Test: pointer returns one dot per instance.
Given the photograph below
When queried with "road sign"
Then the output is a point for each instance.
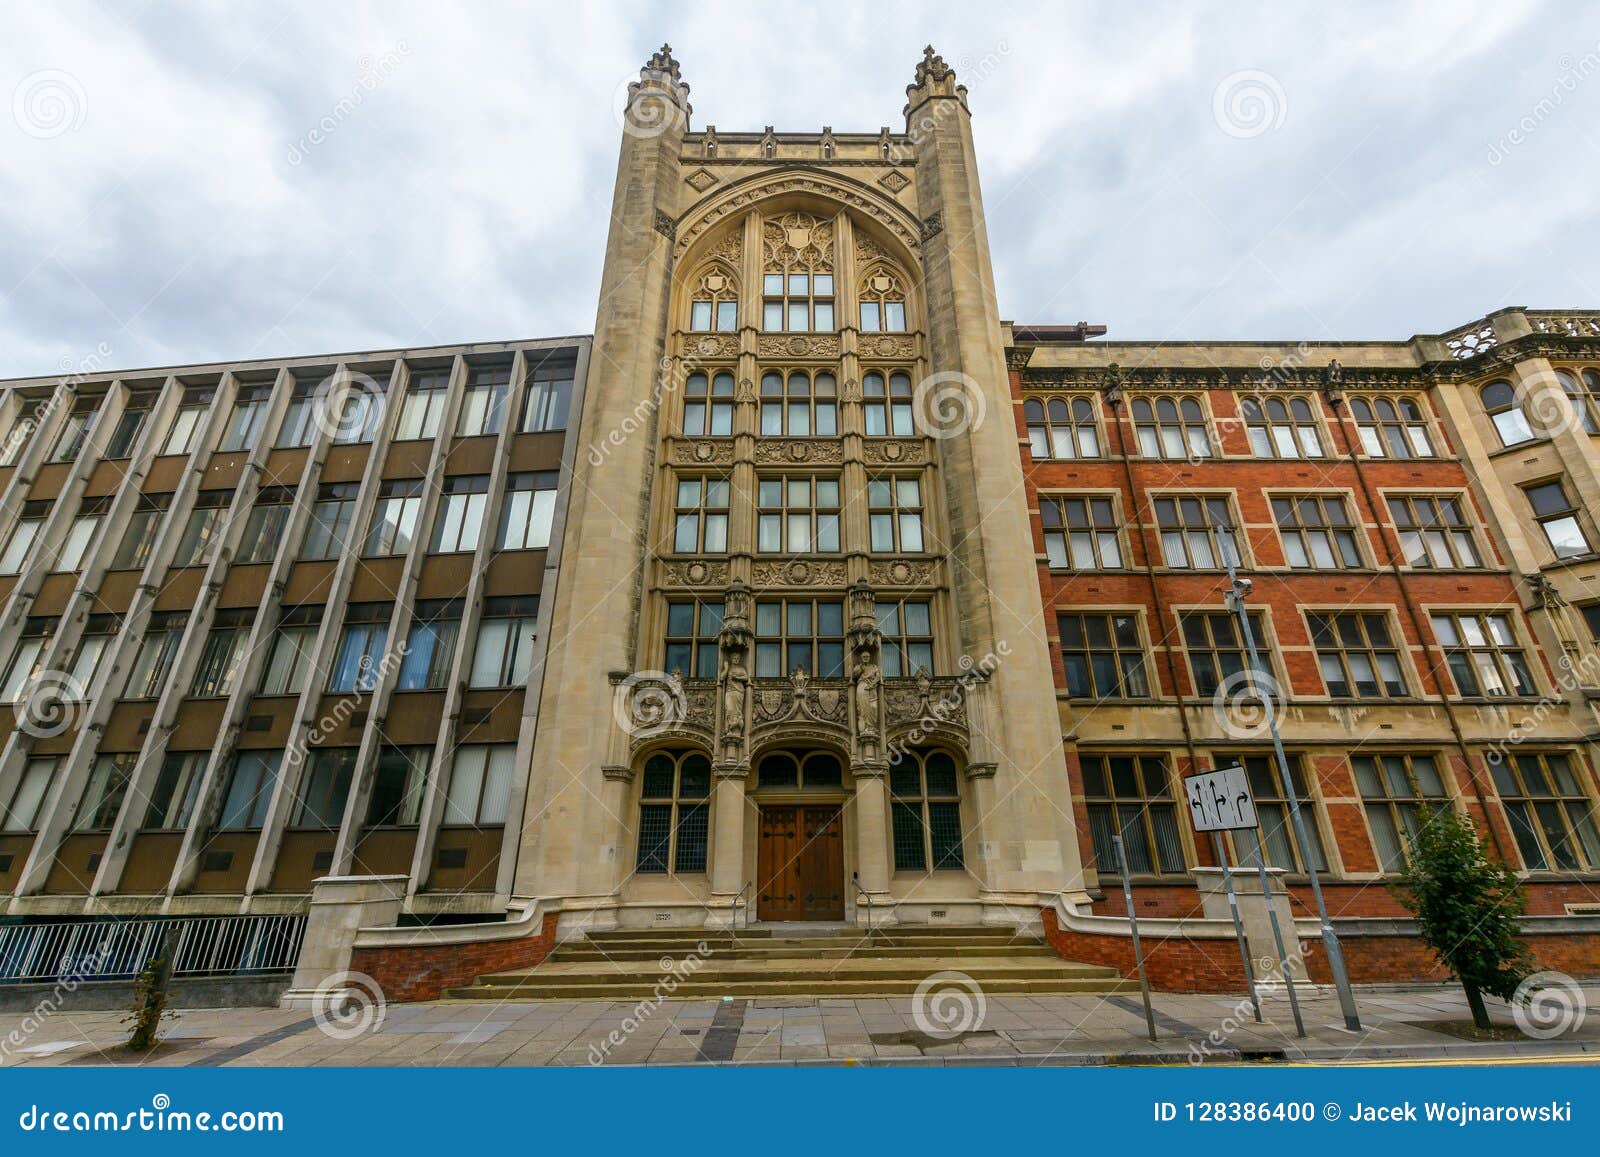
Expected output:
(1220, 800)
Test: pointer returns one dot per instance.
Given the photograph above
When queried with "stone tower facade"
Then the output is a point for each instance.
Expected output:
(786, 569)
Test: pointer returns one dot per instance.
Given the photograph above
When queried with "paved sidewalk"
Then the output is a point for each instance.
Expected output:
(1016, 1030)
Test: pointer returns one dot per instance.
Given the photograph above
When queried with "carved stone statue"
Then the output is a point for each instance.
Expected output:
(800, 677)
(868, 679)
(735, 682)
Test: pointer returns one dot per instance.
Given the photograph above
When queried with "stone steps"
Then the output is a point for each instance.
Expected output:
(627, 964)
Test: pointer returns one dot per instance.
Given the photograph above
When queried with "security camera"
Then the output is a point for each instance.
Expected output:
(1244, 586)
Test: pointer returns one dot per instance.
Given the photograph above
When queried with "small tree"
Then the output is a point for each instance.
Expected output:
(1467, 907)
(150, 992)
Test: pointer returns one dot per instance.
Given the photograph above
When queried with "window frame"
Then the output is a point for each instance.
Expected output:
(917, 807)
(685, 811)
(1339, 650)
(1109, 804)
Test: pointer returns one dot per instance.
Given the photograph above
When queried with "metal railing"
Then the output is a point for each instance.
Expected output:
(738, 902)
(863, 894)
(114, 949)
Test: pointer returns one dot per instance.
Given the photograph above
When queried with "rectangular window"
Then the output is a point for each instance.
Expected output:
(691, 642)
(1195, 533)
(1080, 533)
(394, 518)
(1280, 428)
(224, 652)
(1558, 518)
(797, 515)
(1102, 657)
(17, 440)
(21, 812)
(894, 515)
(527, 511)
(147, 678)
(1131, 796)
(360, 412)
(458, 523)
(75, 431)
(431, 646)
(887, 407)
(299, 427)
(267, 525)
(19, 544)
(102, 795)
(708, 405)
(1217, 654)
(800, 407)
(361, 650)
(203, 533)
(700, 516)
(80, 536)
(1434, 533)
(98, 635)
(248, 418)
(1357, 656)
(1400, 793)
(1316, 532)
(328, 532)
(135, 412)
(548, 394)
(25, 657)
(1061, 428)
(483, 405)
(480, 785)
(1551, 815)
(800, 633)
(423, 407)
(503, 656)
(1277, 832)
(188, 421)
(176, 788)
(133, 552)
(255, 776)
(1485, 659)
(397, 786)
(290, 653)
(324, 790)
(907, 629)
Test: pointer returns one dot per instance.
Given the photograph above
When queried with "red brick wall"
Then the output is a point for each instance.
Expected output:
(424, 971)
(1178, 965)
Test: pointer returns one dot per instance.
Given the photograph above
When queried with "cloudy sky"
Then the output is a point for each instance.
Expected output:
(1304, 172)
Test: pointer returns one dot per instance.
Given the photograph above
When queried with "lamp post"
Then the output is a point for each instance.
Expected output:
(1238, 590)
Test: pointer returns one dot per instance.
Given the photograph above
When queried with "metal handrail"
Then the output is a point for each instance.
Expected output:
(862, 893)
(738, 902)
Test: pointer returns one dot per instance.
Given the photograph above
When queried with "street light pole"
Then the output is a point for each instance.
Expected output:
(1238, 590)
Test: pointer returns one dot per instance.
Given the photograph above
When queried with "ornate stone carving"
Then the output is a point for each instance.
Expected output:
(800, 699)
(894, 180)
(800, 572)
(666, 225)
(903, 572)
(695, 572)
(710, 346)
(885, 345)
(797, 450)
(735, 696)
(737, 200)
(797, 345)
(932, 225)
(1568, 325)
(1471, 341)
(925, 704)
(893, 451)
(703, 453)
(700, 180)
(869, 680)
(797, 240)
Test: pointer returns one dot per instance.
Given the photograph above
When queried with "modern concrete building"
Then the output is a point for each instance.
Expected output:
(860, 606)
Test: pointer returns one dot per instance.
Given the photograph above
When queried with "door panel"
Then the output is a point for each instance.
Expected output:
(800, 863)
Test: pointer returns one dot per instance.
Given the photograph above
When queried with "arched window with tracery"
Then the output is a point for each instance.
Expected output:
(714, 308)
(797, 277)
(881, 301)
(674, 803)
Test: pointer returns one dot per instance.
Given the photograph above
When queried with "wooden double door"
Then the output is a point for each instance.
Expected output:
(800, 863)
